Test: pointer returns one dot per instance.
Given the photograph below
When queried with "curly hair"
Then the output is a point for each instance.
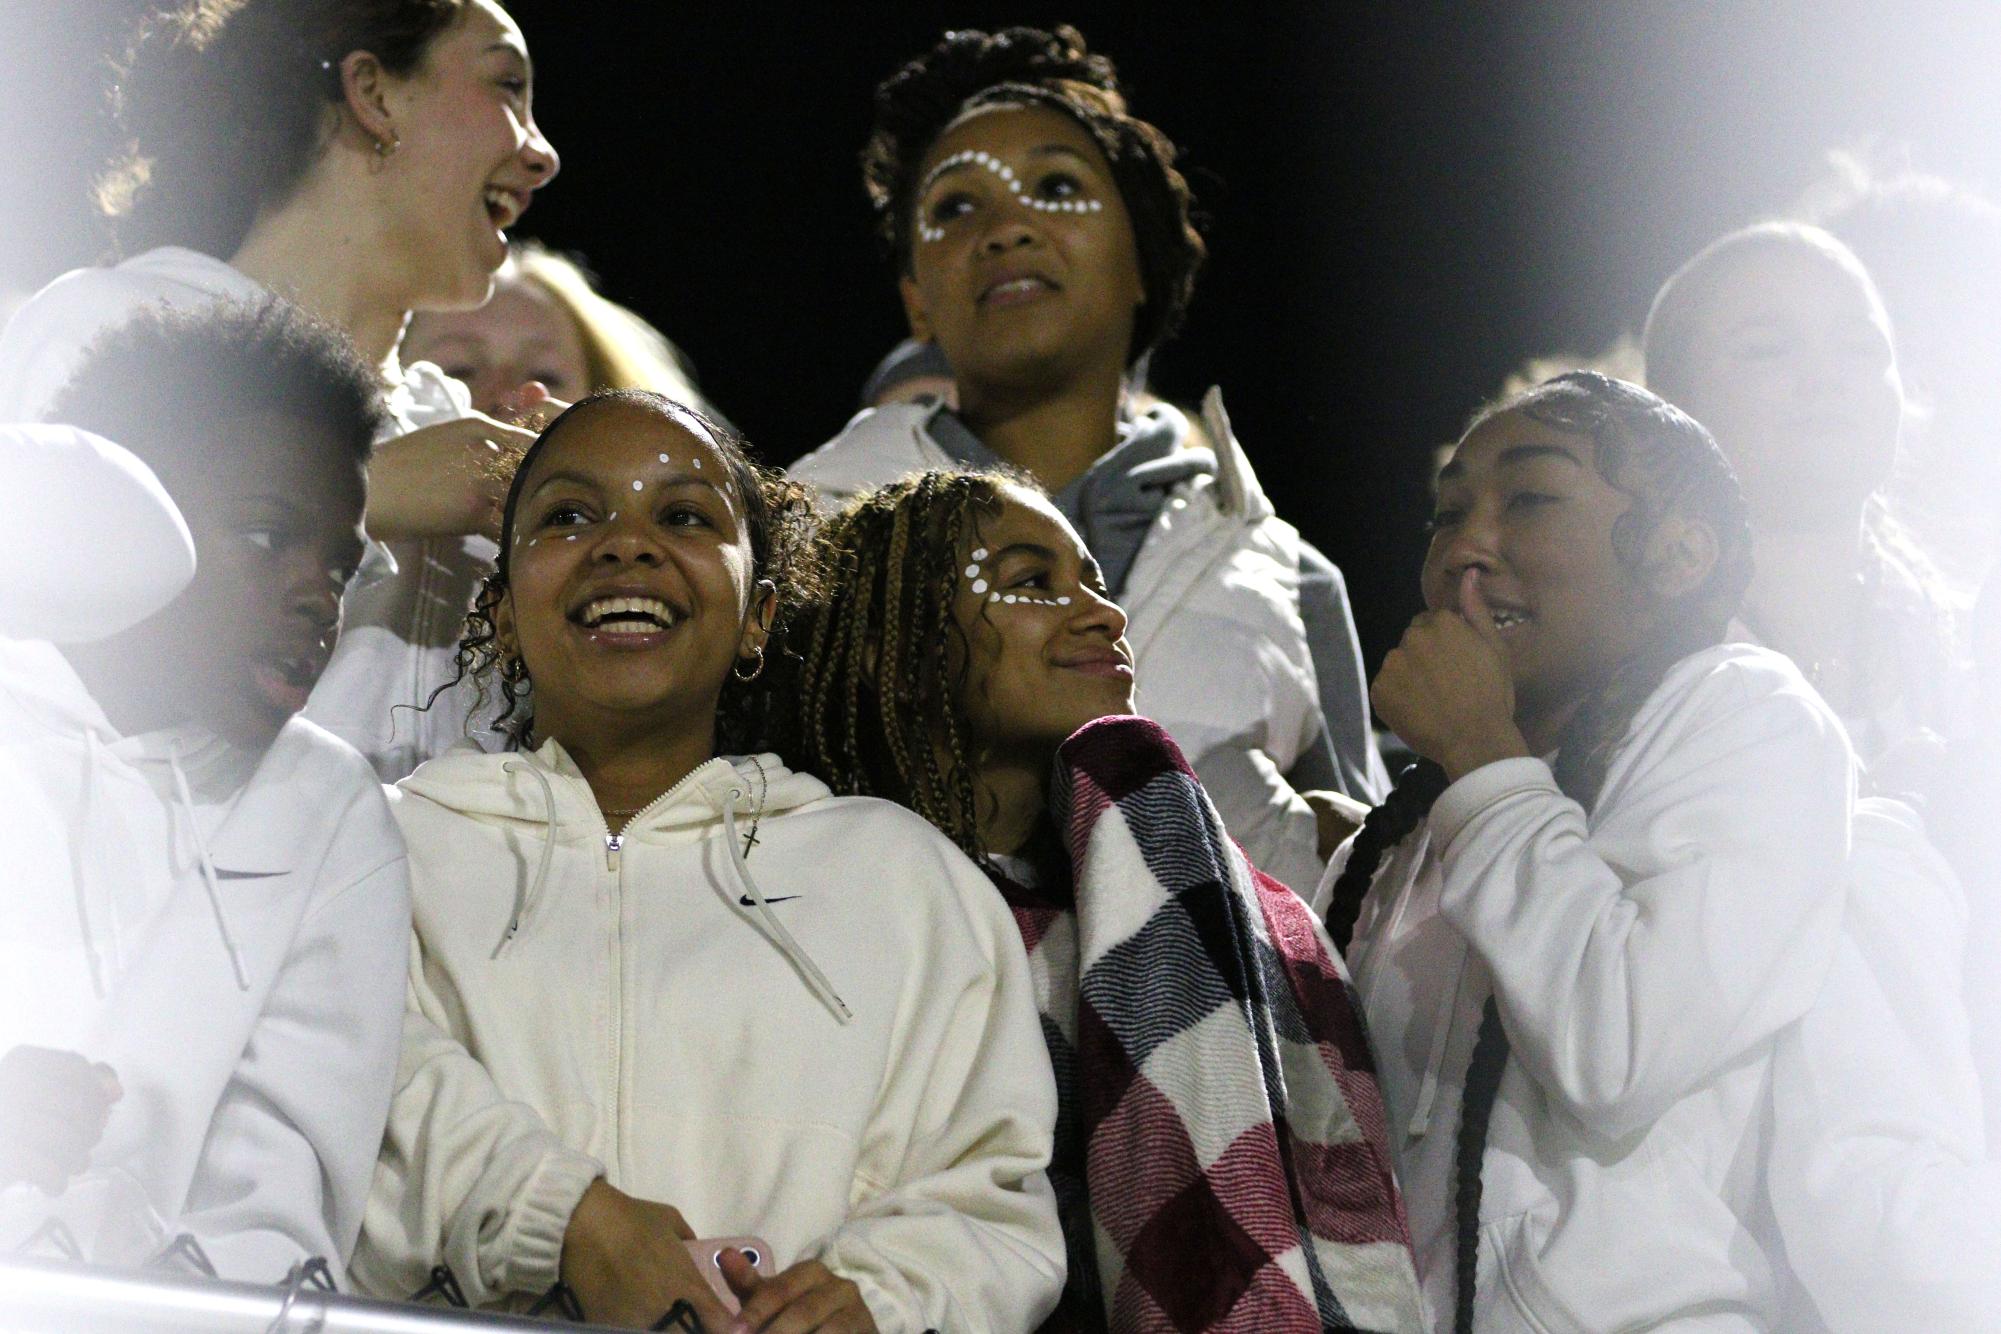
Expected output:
(968, 69)
(780, 521)
(877, 705)
(175, 387)
(1669, 465)
(224, 105)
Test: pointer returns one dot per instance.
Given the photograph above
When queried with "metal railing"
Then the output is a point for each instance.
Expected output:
(61, 1297)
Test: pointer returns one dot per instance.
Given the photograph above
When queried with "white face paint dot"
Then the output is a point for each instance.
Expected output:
(981, 554)
(665, 459)
(1008, 598)
(979, 585)
(698, 465)
(638, 485)
(972, 571)
(1063, 602)
(571, 538)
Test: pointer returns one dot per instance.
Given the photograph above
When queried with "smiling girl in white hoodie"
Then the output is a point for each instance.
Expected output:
(657, 993)
(1582, 924)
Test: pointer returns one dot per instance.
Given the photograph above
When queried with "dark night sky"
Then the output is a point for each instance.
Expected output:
(1405, 200)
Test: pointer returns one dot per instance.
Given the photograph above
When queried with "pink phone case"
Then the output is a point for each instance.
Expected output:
(707, 1254)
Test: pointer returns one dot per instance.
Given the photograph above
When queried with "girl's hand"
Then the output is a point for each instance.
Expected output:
(447, 480)
(1446, 689)
(806, 1299)
(624, 1260)
(53, 1109)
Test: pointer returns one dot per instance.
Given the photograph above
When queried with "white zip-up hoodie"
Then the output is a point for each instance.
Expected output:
(1884, 1189)
(787, 1014)
(226, 931)
(404, 611)
(1646, 957)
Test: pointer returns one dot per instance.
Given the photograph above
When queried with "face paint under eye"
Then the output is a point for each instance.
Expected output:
(1026, 600)
(982, 158)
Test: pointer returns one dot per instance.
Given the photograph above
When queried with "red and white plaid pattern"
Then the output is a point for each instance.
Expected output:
(1222, 1161)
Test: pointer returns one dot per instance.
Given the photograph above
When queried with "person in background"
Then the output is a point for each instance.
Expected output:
(1581, 926)
(813, 1021)
(965, 661)
(1043, 242)
(547, 323)
(1774, 338)
(363, 158)
(211, 908)
(1932, 246)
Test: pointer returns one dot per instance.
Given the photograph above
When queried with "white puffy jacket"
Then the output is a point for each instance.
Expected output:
(1219, 649)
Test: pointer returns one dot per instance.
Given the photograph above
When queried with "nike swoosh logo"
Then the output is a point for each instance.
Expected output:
(749, 902)
(224, 873)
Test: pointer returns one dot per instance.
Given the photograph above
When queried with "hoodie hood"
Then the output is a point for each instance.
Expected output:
(546, 792)
(499, 789)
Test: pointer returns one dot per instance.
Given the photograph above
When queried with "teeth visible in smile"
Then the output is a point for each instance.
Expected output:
(1504, 619)
(1017, 285)
(500, 203)
(628, 616)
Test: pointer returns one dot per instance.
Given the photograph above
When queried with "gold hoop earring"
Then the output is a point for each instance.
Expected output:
(755, 672)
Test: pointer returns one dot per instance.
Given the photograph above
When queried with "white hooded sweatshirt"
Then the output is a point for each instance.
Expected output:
(226, 931)
(405, 609)
(787, 1014)
(1646, 956)
(1884, 1189)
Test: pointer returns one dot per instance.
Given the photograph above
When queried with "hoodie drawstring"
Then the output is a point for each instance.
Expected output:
(80, 882)
(208, 875)
(791, 948)
(526, 893)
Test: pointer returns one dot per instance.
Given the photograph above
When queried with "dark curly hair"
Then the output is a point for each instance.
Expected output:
(176, 387)
(875, 701)
(224, 105)
(779, 519)
(1034, 67)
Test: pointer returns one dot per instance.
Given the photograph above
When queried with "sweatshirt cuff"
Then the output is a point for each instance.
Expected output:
(1459, 803)
(535, 1250)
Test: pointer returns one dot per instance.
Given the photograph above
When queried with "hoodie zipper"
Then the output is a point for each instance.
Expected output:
(613, 843)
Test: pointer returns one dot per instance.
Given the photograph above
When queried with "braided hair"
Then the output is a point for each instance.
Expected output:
(778, 519)
(883, 660)
(1670, 466)
(969, 69)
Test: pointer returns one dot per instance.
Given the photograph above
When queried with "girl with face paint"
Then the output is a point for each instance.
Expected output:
(1582, 924)
(364, 159)
(1043, 243)
(670, 990)
(968, 662)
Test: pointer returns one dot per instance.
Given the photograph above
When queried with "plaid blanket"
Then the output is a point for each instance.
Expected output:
(1221, 1160)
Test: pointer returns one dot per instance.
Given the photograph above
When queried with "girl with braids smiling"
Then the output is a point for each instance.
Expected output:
(1219, 1158)
(1044, 243)
(662, 992)
(1581, 923)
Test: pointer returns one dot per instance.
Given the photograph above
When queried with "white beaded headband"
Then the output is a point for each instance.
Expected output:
(981, 158)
